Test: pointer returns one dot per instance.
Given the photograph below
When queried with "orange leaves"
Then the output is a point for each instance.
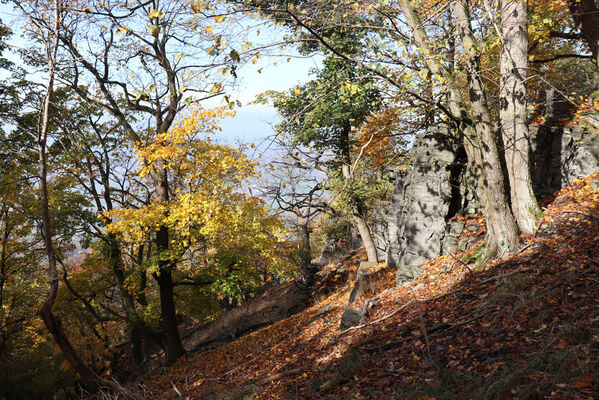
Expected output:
(377, 136)
(510, 327)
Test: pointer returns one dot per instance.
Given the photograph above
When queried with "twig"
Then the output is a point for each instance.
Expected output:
(493, 278)
(461, 262)
(422, 326)
(176, 390)
(389, 345)
(538, 228)
(278, 376)
(353, 328)
(524, 248)
(440, 327)
(582, 213)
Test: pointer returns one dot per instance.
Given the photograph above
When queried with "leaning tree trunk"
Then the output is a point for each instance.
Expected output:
(360, 222)
(501, 230)
(513, 113)
(478, 137)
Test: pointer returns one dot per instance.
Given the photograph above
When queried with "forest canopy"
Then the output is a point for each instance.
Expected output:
(126, 217)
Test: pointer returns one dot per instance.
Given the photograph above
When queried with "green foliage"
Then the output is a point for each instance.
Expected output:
(321, 113)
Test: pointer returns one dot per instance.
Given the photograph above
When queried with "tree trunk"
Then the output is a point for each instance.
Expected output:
(586, 17)
(135, 338)
(305, 250)
(170, 331)
(501, 230)
(478, 137)
(170, 327)
(91, 380)
(513, 113)
(360, 222)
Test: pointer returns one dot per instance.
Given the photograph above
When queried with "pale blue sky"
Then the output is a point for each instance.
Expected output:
(252, 123)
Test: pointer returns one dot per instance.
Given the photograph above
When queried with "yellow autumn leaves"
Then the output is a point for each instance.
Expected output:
(208, 203)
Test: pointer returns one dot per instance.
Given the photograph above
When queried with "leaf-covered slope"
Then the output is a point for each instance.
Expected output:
(526, 327)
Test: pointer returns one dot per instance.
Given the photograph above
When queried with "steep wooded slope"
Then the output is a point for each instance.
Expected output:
(526, 326)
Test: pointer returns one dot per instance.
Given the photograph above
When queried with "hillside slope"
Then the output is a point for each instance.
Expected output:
(526, 327)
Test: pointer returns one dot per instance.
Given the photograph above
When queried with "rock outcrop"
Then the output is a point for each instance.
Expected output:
(425, 197)
(437, 186)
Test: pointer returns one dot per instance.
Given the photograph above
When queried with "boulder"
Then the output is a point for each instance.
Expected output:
(351, 317)
(438, 185)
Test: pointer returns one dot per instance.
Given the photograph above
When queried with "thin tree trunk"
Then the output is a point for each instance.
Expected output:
(513, 113)
(304, 248)
(52, 323)
(360, 222)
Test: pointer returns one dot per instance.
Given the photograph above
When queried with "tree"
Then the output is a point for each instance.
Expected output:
(297, 190)
(94, 153)
(513, 113)
(50, 43)
(322, 115)
(219, 236)
(475, 125)
(139, 57)
(586, 16)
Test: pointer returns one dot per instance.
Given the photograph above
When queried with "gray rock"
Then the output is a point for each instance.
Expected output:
(414, 225)
(351, 317)
(422, 203)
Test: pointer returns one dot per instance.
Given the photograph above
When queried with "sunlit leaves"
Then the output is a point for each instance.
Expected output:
(208, 206)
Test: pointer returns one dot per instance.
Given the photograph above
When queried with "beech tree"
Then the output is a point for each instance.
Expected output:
(513, 113)
(148, 62)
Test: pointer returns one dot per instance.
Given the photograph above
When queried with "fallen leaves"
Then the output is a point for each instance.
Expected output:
(526, 326)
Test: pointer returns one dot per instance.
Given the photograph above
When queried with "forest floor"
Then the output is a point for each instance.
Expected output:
(525, 326)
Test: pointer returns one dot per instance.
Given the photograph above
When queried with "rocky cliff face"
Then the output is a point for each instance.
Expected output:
(561, 154)
(426, 196)
(437, 186)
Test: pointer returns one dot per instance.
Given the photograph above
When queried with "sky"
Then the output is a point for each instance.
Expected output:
(252, 123)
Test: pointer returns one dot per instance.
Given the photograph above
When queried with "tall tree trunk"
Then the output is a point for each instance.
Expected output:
(478, 137)
(503, 235)
(513, 112)
(52, 323)
(168, 313)
(586, 16)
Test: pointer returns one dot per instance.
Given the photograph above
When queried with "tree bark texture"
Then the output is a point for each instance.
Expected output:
(475, 126)
(502, 232)
(513, 112)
